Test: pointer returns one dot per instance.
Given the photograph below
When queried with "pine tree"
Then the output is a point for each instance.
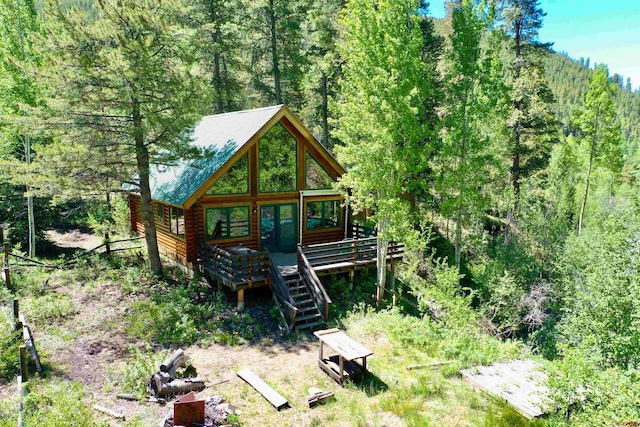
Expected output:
(129, 81)
(320, 50)
(276, 64)
(596, 119)
(531, 122)
(218, 24)
(380, 112)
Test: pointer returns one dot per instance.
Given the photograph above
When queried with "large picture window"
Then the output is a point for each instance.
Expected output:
(325, 214)
(316, 178)
(176, 221)
(277, 154)
(225, 223)
(234, 181)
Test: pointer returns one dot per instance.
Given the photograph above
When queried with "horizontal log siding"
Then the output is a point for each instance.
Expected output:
(169, 245)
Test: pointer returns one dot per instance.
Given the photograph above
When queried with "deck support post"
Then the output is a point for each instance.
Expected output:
(352, 275)
(240, 299)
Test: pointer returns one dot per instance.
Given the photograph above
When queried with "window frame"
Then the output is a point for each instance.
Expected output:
(306, 171)
(160, 211)
(259, 169)
(323, 210)
(248, 191)
(228, 222)
(175, 233)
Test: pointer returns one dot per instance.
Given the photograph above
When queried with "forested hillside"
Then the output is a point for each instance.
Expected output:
(508, 171)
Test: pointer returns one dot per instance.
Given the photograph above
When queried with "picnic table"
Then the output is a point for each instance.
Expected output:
(343, 365)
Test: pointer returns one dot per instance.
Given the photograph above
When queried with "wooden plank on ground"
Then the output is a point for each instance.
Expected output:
(519, 382)
(263, 388)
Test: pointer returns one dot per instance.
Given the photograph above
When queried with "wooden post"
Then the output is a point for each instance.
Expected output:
(24, 369)
(16, 314)
(5, 268)
(352, 275)
(106, 245)
(240, 299)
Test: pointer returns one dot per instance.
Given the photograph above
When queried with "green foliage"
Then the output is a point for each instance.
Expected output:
(598, 286)
(134, 376)
(9, 359)
(58, 403)
(48, 308)
(184, 312)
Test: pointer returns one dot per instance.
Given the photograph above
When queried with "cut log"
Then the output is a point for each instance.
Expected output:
(171, 360)
(114, 414)
(182, 385)
(180, 362)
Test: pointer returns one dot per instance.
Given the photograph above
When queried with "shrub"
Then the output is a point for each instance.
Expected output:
(9, 359)
(134, 376)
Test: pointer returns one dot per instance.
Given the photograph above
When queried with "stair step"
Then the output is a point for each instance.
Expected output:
(307, 317)
(309, 325)
(306, 301)
(297, 287)
(292, 281)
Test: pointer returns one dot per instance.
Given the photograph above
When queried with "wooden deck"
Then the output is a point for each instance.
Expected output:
(519, 382)
(348, 255)
(294, 278)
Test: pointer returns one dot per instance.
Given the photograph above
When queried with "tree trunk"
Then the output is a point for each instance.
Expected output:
(217, 75)
(586, 187)
(30, 214)
(381, 259)
(274, 52)
(142, 162)
(325, 112)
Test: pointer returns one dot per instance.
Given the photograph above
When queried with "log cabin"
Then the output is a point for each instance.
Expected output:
(265, 190)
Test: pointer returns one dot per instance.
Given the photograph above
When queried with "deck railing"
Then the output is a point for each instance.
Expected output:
(310, 278)
(347, 251)
(282, 292)
(234, 269)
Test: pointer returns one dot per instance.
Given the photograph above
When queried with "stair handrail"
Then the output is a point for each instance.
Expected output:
(317, 290)
(282, 292)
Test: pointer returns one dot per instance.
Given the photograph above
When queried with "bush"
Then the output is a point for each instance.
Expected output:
(9, 358)
(134, 376)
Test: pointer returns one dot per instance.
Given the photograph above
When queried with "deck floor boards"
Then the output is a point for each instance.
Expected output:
(519, 382)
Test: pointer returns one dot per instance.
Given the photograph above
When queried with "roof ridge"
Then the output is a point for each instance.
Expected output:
(279, 106)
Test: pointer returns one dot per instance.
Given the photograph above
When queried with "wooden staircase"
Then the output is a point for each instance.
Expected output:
(308, 315)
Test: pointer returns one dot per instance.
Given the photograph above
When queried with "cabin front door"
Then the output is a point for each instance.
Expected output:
(278, 226)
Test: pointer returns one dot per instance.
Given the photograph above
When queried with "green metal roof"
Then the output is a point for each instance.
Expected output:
(221, 134)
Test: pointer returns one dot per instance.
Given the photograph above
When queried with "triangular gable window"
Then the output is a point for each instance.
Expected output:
(316, 177)
(277, 161)
(234, 181)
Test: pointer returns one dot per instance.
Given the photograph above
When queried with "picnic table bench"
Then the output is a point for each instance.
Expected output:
(344, 365)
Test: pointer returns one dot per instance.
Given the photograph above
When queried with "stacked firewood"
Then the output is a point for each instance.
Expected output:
(163, 383)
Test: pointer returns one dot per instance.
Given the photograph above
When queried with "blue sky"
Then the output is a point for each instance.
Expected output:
(606, 31)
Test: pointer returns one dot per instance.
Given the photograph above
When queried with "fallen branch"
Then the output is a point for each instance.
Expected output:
(428, 365)
(114, 414)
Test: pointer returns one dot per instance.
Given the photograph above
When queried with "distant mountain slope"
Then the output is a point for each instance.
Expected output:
(569, 81)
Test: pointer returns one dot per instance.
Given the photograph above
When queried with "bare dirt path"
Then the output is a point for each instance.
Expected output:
(75, 238)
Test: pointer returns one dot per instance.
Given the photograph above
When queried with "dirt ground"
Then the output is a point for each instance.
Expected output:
(92, 343)
(70, 239)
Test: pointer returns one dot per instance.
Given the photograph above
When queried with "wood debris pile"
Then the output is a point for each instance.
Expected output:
(163, 383)
(216, 411)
